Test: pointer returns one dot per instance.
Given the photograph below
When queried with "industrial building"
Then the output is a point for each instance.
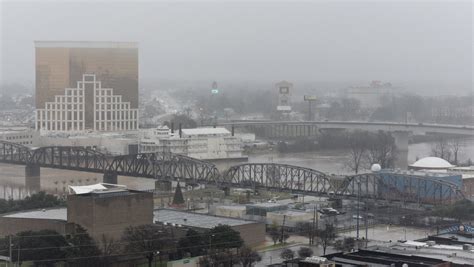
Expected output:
(253, 233)
(86, 86)
(102, 209)
(427, 187)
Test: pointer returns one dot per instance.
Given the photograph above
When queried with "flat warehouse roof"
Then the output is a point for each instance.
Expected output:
(195, 219)
(48, 214)
(85, 44)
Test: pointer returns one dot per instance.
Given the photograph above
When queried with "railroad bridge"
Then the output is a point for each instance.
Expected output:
(267, 176)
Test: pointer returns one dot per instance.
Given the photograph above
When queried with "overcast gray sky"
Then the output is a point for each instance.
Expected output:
(257, 41)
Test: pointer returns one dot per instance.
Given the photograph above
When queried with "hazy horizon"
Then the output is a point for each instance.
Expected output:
(420, 45)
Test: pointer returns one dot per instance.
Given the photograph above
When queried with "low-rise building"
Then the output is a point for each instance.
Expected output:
(20, 135)
(252, 233)
(101, 209)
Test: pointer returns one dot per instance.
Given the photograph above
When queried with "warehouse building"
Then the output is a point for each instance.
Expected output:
(253, 233)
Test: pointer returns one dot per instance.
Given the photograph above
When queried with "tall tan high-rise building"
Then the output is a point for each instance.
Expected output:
(86, 86)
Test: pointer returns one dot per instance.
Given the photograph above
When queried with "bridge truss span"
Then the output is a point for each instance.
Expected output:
(278, 177)
(70, 158)
(164, 166)
(398, 187)
(14, 153)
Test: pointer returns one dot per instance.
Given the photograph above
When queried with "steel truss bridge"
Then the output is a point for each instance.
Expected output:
(267, 176)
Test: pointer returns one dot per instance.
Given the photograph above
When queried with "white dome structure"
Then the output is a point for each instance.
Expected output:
(431, 163)
(375, 167)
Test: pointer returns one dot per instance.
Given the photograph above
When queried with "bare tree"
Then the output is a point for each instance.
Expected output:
(248, 256)
(287, 254)
(327, 236)
(358, 144)
(381, 149)
(109, 246)
(441, 149)
(455, 147)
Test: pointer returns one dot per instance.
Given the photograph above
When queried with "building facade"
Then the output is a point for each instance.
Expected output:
(82, 86)
(19, 135)
(199, 143)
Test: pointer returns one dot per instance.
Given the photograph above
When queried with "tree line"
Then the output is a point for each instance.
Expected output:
(35, 201)
(219, 246)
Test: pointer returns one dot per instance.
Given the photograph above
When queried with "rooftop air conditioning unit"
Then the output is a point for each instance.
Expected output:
(430, 243)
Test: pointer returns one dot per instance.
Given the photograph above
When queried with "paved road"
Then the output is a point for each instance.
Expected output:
(377, 235)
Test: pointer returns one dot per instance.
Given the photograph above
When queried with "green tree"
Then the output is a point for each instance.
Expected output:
(224, 237)
(147, 239)
(83, 250)
(185, 121)
(287, 254)
(193, 243)
(35, 201)
(305, 252)
(44, 247)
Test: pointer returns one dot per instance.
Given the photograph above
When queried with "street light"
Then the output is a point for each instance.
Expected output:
(210, 241)
(155, 254)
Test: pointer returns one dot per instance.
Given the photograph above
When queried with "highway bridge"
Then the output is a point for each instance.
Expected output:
(400, 131)
(267, 176)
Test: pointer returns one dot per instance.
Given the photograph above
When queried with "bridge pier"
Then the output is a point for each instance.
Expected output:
(110, 178)
(33, 177)
(401, 143)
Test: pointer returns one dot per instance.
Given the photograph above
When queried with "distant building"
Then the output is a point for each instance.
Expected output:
(104, 142)
(372, 96)
(284, 90)
(199, 143)
(19, 135)
(86, 86)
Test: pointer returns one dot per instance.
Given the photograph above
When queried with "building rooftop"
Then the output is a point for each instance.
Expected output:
(267, 205)
(97, 188)
(205, 131)
(431, 163)
(379, 258)
(47, 214)
(85, 44)
(194, 219)
(451, 253)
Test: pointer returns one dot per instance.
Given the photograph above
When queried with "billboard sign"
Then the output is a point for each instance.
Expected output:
(310, 98)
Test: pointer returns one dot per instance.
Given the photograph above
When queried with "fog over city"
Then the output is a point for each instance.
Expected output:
(424, 46)
(228, 133)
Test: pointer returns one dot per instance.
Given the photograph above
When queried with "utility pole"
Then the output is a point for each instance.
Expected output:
(366, 225)
(283, 229)
(358, 208)
(10, 248)
(313, 229)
